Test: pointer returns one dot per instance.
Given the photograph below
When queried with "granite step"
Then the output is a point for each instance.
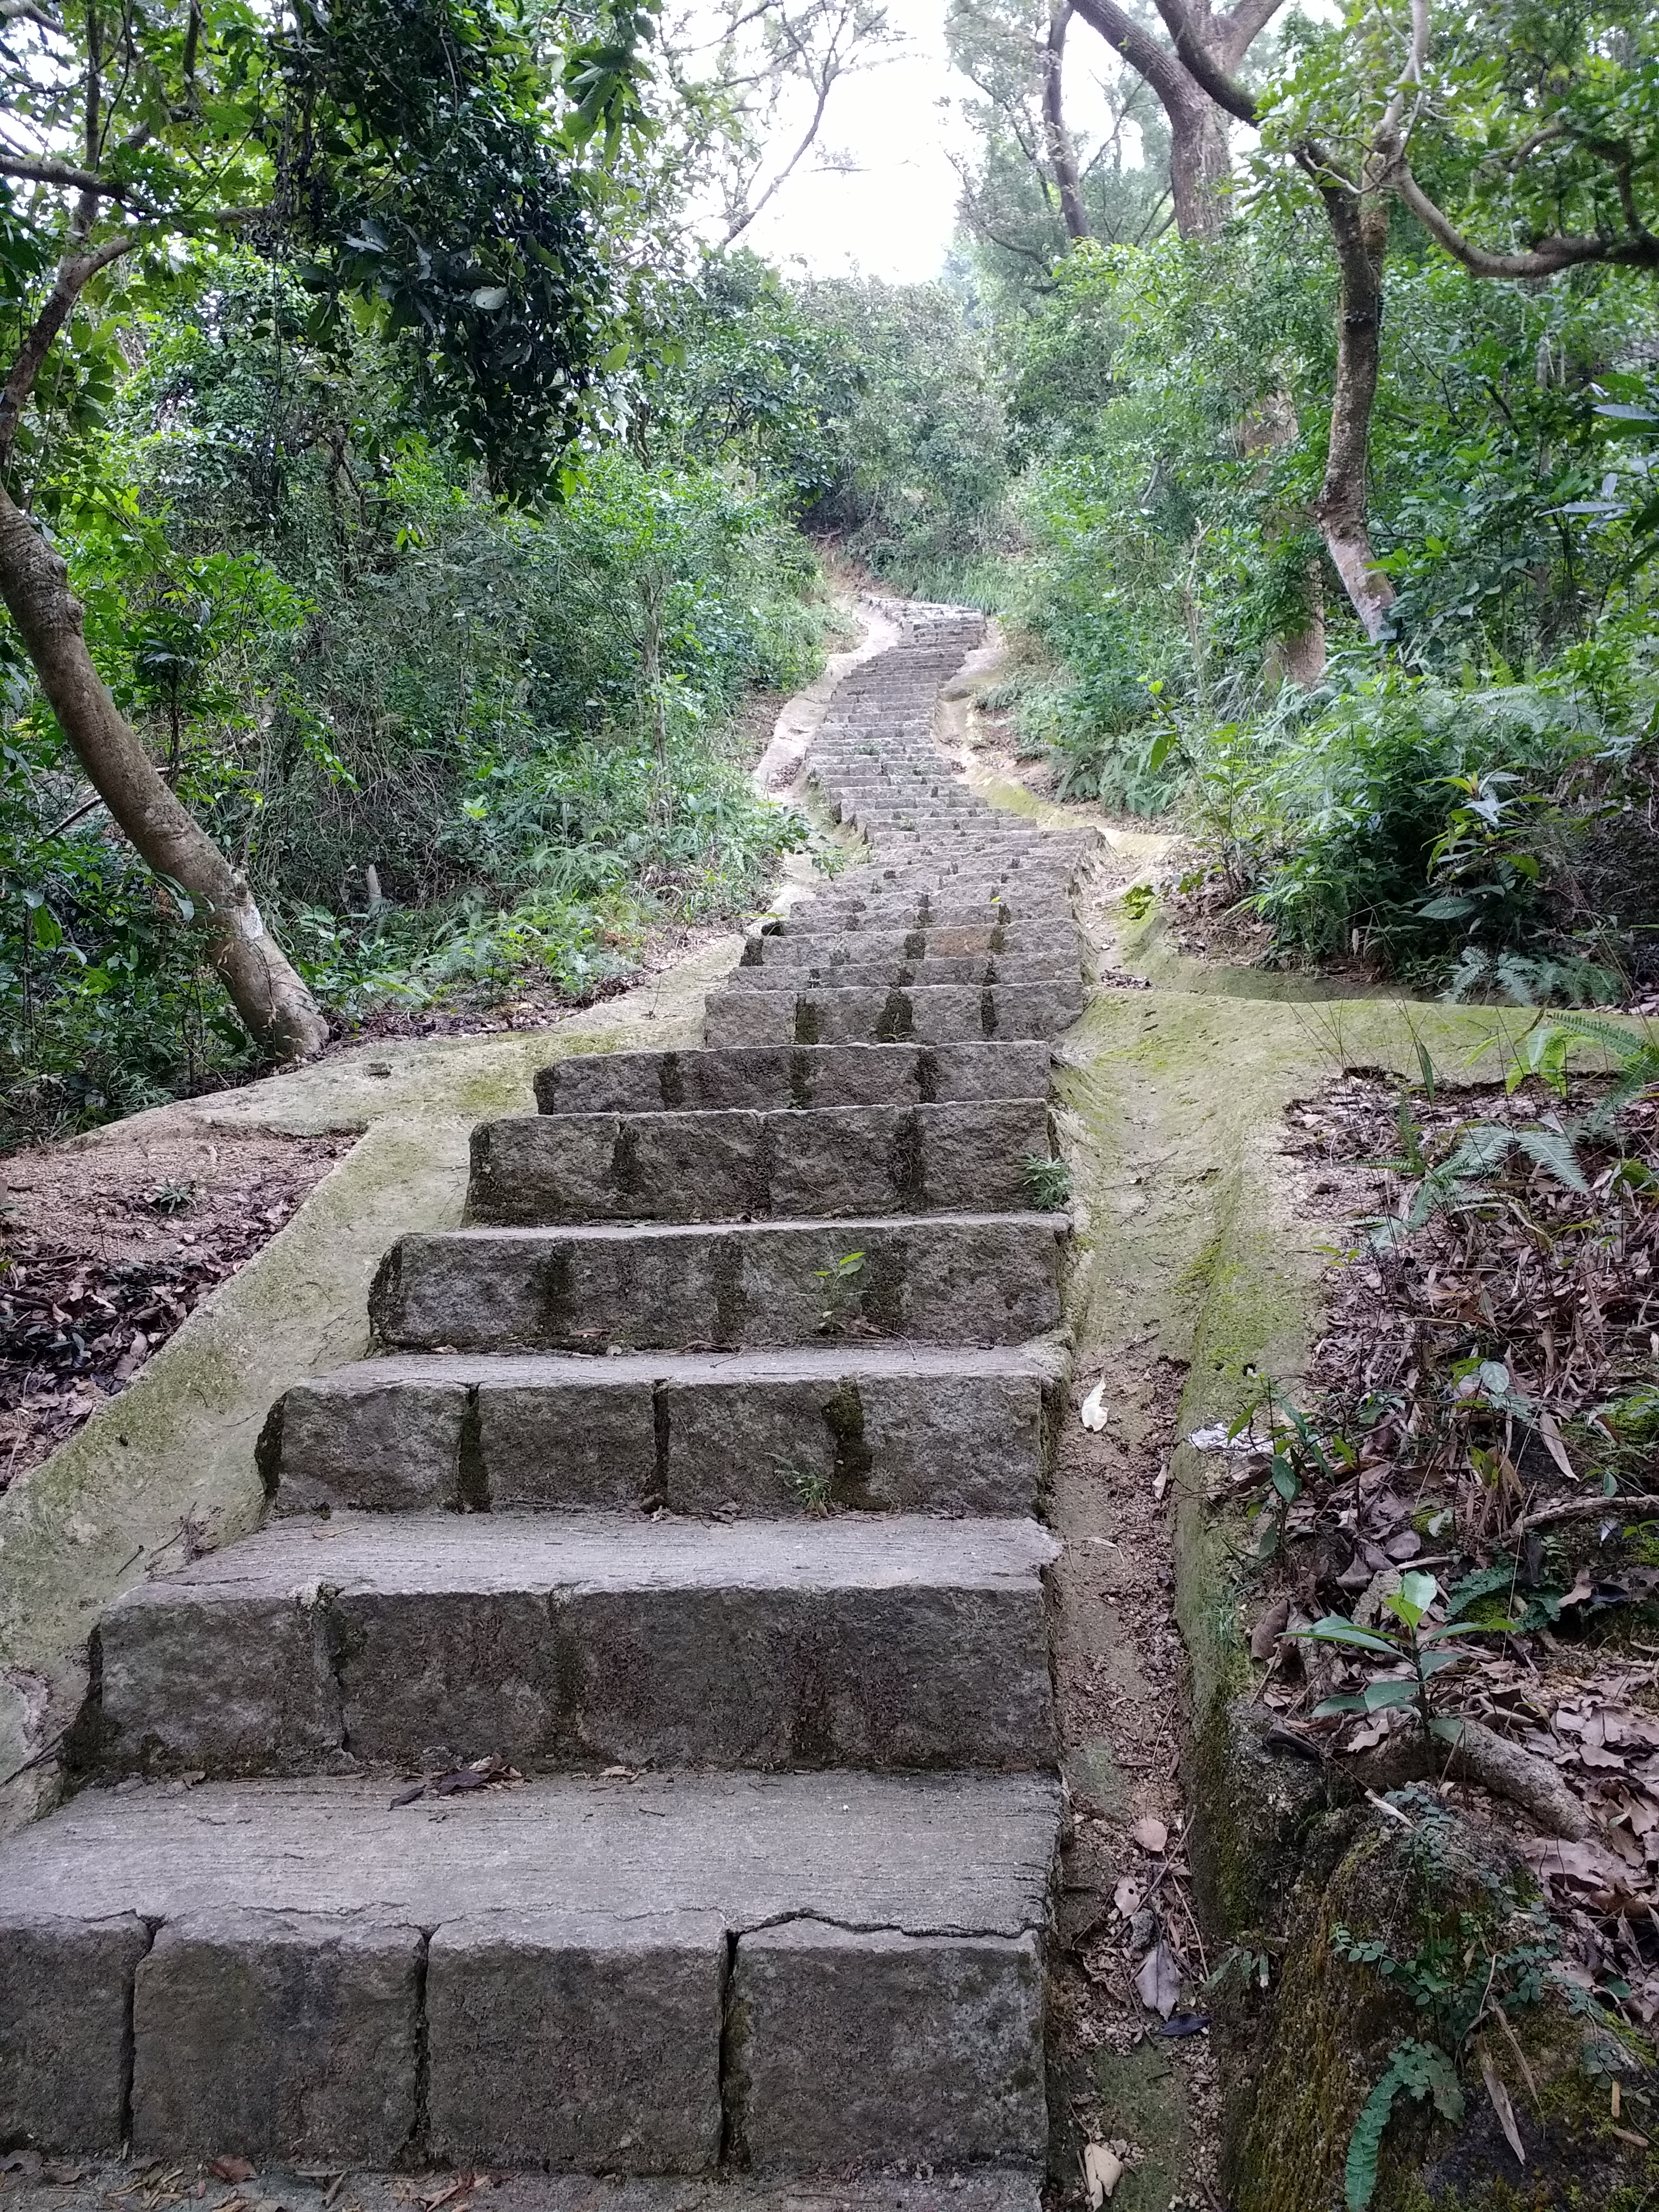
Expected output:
(903, 971)
(932, 1013)
(936, 1279)
(552, 1640)
(798, 939)
(762, 1077)
(608, 1976)
(879, 1427)
(740, 1166)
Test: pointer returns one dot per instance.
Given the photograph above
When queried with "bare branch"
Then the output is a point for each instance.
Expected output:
(1062, 154)
(46, 172)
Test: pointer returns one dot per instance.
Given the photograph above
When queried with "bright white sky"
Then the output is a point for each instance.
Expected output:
(895, 215)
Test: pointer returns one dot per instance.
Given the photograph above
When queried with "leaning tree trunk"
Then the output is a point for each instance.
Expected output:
(274, 1004)
(1358, 229)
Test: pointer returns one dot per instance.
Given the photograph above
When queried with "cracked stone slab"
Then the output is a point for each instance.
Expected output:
(934, 1854)
(886, 1641)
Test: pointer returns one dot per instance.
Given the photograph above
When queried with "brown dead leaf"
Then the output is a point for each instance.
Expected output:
(1501, 2105)
(1264, 1636)
(231, 2169)
(1158, 1981)
(1150, 1832)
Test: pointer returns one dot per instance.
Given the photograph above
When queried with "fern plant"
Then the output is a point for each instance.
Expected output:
(1415, 2070)
(1459, 1180)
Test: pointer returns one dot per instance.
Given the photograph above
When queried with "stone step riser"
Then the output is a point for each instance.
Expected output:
(805, 1077)
(310, 1649)
(769, 1436)
(737, 1166)
(456, 2019)
(972, 971)
(800, 939)
(944, 1279)
(940, 1013)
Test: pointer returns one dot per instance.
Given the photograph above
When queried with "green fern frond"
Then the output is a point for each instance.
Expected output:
(1421, 2069)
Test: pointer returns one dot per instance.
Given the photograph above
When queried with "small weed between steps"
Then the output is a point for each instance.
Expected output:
(810, 1484)
(1048, 1183)
(840, 1290)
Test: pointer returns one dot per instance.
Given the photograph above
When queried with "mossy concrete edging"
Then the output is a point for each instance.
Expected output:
(1192, 1221)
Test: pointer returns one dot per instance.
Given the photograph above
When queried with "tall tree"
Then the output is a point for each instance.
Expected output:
(399, 153)
(1204, 48)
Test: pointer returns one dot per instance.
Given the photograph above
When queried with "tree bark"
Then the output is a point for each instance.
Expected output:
(1062, 154)
(1199, 167)
(1359, 224)
(274, 1004)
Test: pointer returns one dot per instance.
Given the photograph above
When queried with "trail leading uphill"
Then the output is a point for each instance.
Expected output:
(695, 1480)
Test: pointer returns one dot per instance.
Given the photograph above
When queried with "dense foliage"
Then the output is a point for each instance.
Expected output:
(1467, 802)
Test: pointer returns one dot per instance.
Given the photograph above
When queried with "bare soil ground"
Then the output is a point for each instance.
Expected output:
(106, 1246)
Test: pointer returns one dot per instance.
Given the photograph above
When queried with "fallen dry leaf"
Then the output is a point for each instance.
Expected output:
(1093, 1412)
(1264, 1636)
(1150, 1832)
(1501, 2105)
(232, 2169)
(1103, 2169)
(1158, 1981)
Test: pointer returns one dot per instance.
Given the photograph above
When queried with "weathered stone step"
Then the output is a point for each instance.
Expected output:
(551, 1640)
(904, 972)
(939, 1279)
(876, 1427)
(907, 910)
(932, 1013)
(800, 939)
(608, 1976)
(736, 1166)
(761, 1077)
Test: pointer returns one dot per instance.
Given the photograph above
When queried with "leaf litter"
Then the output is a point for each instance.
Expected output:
(1483, 1409)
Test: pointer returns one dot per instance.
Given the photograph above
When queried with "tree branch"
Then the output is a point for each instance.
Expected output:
(73, 180)
(75, 272)
(1062, 154)
(1202, 65)
(1547, 258)
(1139, 48)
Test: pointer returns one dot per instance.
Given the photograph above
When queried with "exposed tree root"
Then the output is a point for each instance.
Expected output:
(1479, 1755)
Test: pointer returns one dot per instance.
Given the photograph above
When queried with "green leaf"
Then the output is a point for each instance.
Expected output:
(1333, 1629)
(1386, 1693)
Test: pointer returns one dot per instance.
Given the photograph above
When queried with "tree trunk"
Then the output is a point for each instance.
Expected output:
(1359, 230)
(274, 1004)
(1200, 168)
(1062, 154)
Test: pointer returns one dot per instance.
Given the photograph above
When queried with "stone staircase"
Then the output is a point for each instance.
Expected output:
(682, 1536)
